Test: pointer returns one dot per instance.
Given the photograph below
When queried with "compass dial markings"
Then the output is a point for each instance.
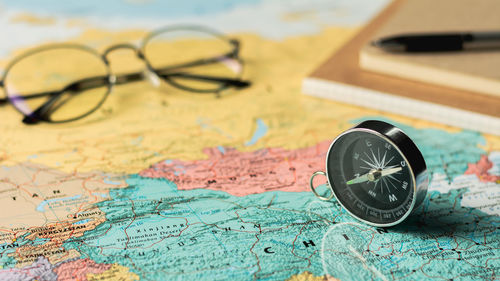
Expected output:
(389, 161)
(386, 185)
(369, 164)
(393, 178)
(388, 180)
(375, 159)
(383, 158)
(376, 182)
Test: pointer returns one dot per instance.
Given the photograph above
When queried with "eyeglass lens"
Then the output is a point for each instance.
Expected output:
(184, 56)
(47, 75)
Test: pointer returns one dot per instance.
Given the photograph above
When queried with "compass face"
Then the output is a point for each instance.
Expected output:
(370, 177)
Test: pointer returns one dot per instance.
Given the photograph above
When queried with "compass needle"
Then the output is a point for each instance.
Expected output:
(391, 171)
(359, 179)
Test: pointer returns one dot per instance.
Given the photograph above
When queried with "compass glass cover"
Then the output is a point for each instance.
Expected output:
(370, 177)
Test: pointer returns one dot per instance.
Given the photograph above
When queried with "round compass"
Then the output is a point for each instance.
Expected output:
(376, 173)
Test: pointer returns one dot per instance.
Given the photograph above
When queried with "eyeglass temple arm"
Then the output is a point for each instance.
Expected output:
(195, 63)
(44, 110)
(231, 55)
(80, 85)
(236, 44)
(2, 100)
(237, 83)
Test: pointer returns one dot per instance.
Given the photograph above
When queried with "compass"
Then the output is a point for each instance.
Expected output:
(376, 173)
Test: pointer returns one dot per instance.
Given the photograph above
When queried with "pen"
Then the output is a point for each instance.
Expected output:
(439, 42)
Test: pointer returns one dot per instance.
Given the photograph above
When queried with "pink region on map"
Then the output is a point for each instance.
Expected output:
(41, 269)
(78, 269)
(243, 173)
(480, 169)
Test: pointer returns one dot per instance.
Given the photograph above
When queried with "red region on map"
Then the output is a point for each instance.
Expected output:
(480, 169)
(243, 173)
(78, 269)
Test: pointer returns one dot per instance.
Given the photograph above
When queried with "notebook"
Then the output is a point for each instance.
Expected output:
(340, 78)
(477, 71)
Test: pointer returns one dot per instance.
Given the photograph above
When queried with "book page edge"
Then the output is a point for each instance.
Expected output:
(401, 105)
(427, 74)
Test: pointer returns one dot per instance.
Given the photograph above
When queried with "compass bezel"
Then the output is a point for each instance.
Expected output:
(405, 147)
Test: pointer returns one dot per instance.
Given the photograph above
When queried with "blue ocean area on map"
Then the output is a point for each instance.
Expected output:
(134, 9)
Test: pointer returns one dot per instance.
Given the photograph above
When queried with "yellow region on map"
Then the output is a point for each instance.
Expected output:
(32, 19)
(308, 276)
(116, 272)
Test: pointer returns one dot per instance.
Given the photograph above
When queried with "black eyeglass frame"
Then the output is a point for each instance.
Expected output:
(111, 80)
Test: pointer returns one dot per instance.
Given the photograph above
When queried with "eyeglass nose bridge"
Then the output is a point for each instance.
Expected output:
(129, 46)
(147, 73)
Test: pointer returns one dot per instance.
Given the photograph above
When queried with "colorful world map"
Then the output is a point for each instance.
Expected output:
(160, 184)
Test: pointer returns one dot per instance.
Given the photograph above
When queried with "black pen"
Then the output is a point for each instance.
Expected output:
(439, 42)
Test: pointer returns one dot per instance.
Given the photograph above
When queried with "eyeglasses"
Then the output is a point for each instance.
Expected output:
(65, 82)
